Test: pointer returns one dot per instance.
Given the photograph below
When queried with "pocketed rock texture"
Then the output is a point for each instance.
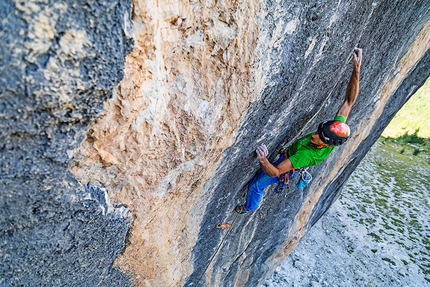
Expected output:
(205, 83)
(60, 61)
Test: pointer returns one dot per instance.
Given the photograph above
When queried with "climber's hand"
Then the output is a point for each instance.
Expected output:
(262, 151)
(357, 57)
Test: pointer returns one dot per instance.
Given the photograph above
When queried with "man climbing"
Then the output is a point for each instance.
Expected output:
(307, 151)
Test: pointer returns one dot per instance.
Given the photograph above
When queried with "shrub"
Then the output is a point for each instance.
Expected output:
(413, 138)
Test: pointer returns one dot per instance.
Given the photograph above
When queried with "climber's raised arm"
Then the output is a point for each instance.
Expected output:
(353, 85)
(307, 151)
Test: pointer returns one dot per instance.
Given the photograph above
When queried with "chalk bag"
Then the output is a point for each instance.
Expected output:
(305, 179)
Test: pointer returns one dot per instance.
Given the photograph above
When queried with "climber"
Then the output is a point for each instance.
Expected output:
(307, 151)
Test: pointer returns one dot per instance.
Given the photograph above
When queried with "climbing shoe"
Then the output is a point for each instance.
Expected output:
(240, 209)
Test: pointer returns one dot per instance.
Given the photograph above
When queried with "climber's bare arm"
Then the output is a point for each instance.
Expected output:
(267, 167)
(353, 85)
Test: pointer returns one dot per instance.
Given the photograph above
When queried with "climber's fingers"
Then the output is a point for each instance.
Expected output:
(357, 56)
(262, 151)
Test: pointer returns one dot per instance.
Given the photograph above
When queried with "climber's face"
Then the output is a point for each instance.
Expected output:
(316, 140)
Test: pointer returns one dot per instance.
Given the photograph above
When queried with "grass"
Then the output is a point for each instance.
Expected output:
(389, 261)
(411, 141)
(376, 237)
(411, 125)
(413, 138)
(413, 118)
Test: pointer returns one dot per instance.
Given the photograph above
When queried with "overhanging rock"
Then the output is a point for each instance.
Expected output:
(204, 84)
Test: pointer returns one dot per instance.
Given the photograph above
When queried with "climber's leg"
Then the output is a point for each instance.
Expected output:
(256, 190)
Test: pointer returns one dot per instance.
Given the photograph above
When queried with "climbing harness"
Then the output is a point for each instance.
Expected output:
(282, 184)
(284, 181)
(228, 225)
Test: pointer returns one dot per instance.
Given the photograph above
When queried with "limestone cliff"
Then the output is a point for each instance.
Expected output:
(129, 129)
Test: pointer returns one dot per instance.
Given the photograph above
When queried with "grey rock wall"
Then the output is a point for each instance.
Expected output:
(59, 62)
(304, 87)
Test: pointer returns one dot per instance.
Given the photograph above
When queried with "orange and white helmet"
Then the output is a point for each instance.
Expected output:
(333, 132)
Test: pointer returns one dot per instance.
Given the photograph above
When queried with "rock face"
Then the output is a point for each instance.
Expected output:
(171, 155)
(59, 64)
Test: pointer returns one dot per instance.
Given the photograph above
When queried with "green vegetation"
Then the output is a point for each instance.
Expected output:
(395, 190)
(413, 138)
(410, 144)
(416, 151)
(376, 237)
(411, 126)
(389, 260)
(414, 117)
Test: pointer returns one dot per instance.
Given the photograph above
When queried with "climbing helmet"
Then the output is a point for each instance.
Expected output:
(333, 132)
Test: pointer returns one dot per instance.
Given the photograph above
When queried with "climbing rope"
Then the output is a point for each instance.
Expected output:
(230, 226)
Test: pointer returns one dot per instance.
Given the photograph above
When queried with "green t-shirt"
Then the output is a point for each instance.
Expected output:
(302, 154)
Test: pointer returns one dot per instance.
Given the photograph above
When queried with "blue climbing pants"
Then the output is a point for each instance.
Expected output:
(257, 185)
(256, 189)
(260, 181)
